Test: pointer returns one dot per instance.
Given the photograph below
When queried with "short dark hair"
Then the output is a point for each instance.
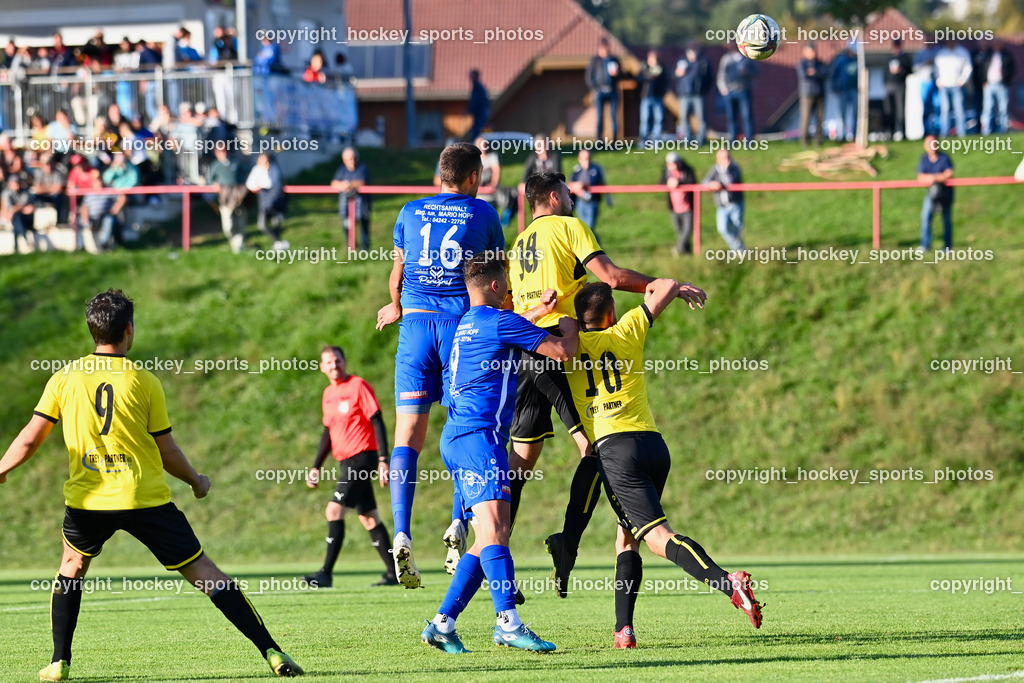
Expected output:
(484, 268)
(458, 162)
(593, 302)
(335, 349)
(539, 186)
(109, 314)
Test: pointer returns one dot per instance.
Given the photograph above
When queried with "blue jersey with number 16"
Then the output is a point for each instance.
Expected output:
(436, 234)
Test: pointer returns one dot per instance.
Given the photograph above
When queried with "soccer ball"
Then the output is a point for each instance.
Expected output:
(757, 36)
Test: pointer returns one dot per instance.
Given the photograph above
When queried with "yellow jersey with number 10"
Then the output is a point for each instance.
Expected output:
(111, 411)
(551, 254)
(606, 377)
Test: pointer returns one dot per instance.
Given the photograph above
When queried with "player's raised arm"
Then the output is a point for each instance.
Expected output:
(177, 465)
(659, 295)
(25, 445)
(628, 280)
(393, 311)
(561, 348)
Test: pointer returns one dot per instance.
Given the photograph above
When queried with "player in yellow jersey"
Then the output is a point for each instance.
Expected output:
(554, 253)
(608, 386)
(119, 443)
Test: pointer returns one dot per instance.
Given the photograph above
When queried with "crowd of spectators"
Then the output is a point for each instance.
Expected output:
(961, 79)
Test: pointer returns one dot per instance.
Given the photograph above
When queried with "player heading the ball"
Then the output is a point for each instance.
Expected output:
(432, 237)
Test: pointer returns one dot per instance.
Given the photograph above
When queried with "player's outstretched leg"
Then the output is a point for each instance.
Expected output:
(232, 602)
(694, 560)
(440, 632)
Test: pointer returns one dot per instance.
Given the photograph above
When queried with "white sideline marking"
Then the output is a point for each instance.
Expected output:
(986, 677)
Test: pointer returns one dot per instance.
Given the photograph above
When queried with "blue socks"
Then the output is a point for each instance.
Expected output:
(469, 575)
(457, 511)
(501, 576)
(403, 487)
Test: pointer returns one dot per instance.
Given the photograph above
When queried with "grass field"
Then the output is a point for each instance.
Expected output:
(848, 385)
(836, 618)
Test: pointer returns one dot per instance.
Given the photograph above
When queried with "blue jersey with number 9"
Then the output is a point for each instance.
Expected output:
(436, 234)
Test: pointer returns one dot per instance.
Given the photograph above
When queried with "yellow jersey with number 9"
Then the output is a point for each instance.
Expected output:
(111, 412)
(551, 254)
(606, 377)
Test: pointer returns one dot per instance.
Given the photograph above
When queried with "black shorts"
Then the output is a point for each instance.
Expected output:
(162, 529)
(634, 467)
(355, 482)
(542, 386)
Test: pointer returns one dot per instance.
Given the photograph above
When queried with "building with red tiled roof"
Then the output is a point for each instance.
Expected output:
(531, 55)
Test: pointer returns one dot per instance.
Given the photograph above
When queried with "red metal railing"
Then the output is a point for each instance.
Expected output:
(876, 187)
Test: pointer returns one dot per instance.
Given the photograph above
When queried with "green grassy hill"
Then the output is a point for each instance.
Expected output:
(846, 350)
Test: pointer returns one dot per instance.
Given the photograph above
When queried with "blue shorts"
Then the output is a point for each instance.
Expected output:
(421, 362)
(478, 461)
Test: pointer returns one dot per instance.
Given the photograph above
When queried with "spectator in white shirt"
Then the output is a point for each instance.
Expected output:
(952, 71)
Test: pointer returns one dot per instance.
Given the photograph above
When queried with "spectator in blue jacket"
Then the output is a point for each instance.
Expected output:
(479, 105)
(844, 85)
(694, 80)
(584, 176)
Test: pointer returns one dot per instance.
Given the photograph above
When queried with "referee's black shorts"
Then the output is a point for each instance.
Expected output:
(542, 386)
(355, 482)
(634, 468)
(162, 529)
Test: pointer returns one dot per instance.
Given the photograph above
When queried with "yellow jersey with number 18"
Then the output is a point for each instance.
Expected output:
(111, 412)
(551, 254)
(606, 377)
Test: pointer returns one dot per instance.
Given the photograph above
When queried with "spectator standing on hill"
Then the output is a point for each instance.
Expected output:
(998, 70)
(953, 69)
(936, 168)
(602, 78)
(490, 174)
(266, 180)
(728, 202)
(736, 75)
(812, 75)
(226, 175)
(585, 175)
(479, 106)
(693, 81)
(542, 160)
(347, 180)
(895, 103)
(653, 80)
(843, 81)
(680, 202)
